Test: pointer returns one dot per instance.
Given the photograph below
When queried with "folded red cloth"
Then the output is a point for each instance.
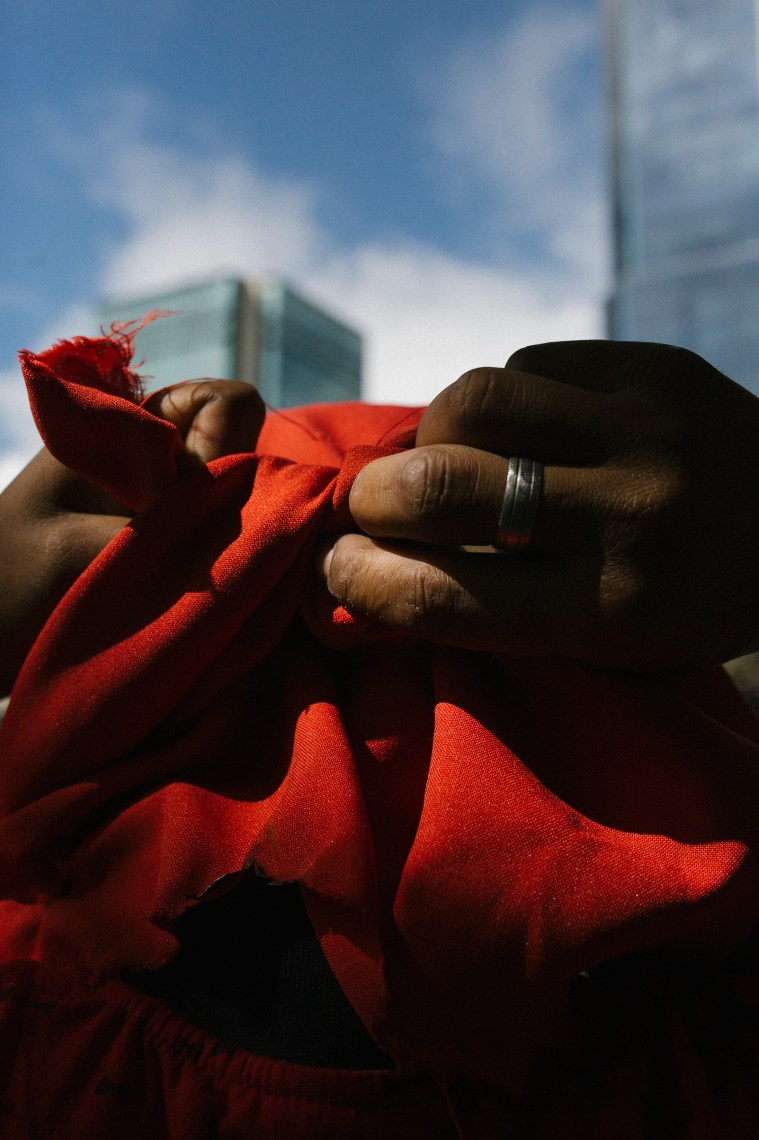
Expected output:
(470, 831)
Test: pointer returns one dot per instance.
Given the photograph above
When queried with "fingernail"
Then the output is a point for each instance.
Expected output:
(324, 561)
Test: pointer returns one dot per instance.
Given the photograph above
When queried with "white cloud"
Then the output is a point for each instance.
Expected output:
(76, 320)
(187, 209)
(518, 114)
(509, 114)
(426, 314)
(19, 439)
(433, 315)
(189, 215)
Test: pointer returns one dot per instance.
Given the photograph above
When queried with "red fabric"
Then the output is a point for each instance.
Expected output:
(470, 831)
(657, 1051)
(108, 1062)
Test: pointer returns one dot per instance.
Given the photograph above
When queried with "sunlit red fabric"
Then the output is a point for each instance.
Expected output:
(470, 831)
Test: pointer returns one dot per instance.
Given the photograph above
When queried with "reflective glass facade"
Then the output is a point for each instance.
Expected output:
(200, 338)
(305, 356)
(262, 332)
(685, 144)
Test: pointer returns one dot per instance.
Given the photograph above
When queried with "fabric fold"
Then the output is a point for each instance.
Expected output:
(469, 831)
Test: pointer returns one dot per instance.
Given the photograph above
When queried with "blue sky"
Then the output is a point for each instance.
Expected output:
(434, 173)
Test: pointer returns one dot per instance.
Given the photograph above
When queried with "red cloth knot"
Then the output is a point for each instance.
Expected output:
(469, 831)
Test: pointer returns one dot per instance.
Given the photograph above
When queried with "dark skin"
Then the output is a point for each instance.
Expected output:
(645, 553)
(54, 522)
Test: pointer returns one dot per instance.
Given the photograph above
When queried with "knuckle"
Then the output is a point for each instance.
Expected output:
(230, 409)
(417, 598)
(403, 593)
(479, 391)
(651, 426)
(198, 392)
(497, 396)
(238, 394)
(650, 493)
(564, 358)
(460, 409)
(522, 359)
(675, 363)
(427, 483)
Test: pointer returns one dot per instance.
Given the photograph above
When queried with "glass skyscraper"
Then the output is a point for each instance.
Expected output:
(685, 144)
(259, 331)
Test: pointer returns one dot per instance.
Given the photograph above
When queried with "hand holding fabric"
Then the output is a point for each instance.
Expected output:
(645, 553)
(469, 831)
(55, 522)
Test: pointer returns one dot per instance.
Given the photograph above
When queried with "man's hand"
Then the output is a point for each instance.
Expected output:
(645, 553)
(214, 417)
(53, 522)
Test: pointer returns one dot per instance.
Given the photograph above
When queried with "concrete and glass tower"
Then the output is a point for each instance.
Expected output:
(685, 145)
(259, 331)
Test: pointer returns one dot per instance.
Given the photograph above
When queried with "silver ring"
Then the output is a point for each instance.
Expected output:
(524, 486)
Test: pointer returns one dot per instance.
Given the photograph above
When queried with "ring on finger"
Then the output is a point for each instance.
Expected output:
(521, 499)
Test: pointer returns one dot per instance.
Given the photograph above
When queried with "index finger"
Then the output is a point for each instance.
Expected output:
(449, 495)
(519, 413)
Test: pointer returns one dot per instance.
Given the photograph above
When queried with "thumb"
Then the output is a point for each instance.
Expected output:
(214, 417)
